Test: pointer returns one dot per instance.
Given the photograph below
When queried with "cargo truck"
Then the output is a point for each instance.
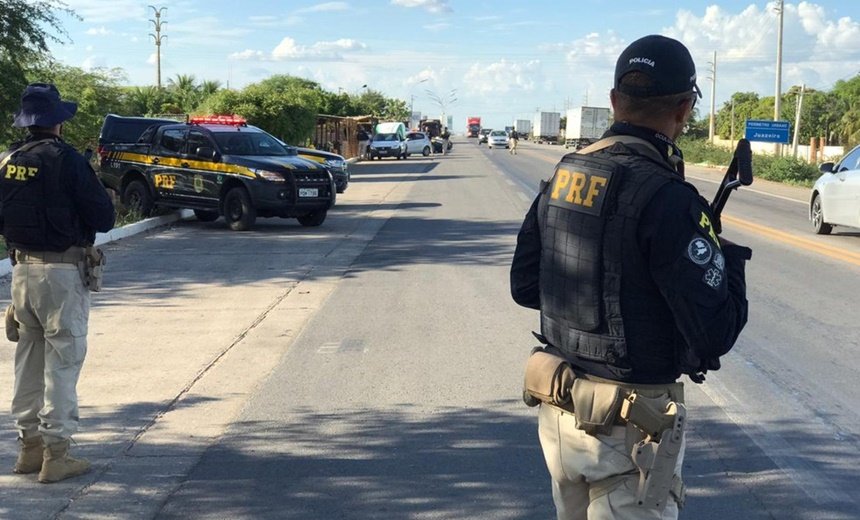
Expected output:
(585, 125)
(473, 126)
(546, 127)
(523, 127)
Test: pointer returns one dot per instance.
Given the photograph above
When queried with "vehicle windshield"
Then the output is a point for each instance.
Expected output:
(385, 137)
(474, 127)
(486, 131)
(498, 133)
(249, 143)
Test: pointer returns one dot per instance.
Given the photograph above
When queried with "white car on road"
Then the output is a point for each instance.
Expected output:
(498, 139)
(835, 199)
(418, 142)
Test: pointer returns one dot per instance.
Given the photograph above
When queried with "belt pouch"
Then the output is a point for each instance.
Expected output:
(548, 379)
(595, 406)
(11, 324)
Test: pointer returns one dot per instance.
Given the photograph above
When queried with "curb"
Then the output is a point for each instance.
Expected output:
(121, 232)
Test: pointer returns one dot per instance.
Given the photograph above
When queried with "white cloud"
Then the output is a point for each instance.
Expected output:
(99, 31)
(248, 54)
(504, 76)
(435, 27)
(325, 6)
(94, 62)
(288, 49)
(817, 50)
(152, 59)
(434, 6)
(99, 11)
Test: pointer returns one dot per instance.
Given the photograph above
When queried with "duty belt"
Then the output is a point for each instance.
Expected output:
(72, 255)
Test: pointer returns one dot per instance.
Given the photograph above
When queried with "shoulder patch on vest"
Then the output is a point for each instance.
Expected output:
(579, 189)
(700, 251)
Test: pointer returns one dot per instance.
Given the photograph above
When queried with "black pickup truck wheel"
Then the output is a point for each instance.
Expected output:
(239, 213)
(136, 196)
(313, 219)
(206, 215)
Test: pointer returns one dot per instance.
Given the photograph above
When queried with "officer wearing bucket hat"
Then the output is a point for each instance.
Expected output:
(51, 205)
(634, 289)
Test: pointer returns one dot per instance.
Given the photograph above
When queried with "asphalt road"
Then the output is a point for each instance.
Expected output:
(371, 368)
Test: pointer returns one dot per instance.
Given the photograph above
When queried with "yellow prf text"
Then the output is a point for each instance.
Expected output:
(571, 185)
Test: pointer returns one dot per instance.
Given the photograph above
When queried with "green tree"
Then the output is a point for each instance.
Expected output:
(282, 107)
(26, 29)
(97, 93)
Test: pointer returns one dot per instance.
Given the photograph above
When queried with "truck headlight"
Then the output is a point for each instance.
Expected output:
(269, 176)
(335, 163)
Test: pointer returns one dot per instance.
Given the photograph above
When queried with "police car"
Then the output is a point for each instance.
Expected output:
(216, 165)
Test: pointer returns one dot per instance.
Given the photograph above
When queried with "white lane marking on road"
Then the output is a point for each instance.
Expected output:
(751, 190)
(329, 348)
(512, 183)
(343, 346)
(523, 196)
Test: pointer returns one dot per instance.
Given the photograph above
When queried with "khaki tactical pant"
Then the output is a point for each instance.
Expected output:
(593, 477)
(52, 306)
(514, 146)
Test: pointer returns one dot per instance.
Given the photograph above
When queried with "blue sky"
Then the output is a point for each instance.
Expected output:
(496, 59)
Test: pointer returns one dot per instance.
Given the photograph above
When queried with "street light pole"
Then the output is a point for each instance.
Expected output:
(158, 38)
(412, 98)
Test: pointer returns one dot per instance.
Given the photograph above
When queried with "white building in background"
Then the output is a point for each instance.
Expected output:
(415, 120)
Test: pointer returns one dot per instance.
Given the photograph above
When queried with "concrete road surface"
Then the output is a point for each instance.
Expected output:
(371, 367)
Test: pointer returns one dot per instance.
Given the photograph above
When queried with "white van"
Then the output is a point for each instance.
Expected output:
(392, 128)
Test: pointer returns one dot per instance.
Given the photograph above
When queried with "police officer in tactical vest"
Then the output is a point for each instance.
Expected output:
(51, 205)
(634, 289)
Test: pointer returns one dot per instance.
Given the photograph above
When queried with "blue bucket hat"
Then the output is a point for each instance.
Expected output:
(41, 106)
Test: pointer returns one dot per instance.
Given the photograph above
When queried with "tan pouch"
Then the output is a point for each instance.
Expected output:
(11, 324)
(94, 263)
(596, 405)
(548, 379)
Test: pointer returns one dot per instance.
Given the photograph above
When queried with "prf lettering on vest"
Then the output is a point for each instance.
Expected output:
(20, 173)
(168, 182)
(579, 191)
(705, 224)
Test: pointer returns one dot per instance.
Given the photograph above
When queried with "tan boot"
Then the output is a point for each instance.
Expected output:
(29, 455)
(58, 465)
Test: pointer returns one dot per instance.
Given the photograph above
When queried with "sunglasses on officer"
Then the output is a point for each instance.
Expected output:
(694, 96)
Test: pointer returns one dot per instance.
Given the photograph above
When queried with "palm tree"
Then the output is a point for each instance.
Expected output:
(185, 91)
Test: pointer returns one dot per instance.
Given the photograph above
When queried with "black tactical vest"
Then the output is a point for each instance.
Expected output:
(588, 216)
(38, 215)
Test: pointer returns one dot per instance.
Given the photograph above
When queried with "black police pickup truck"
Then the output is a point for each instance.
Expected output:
(214, 165)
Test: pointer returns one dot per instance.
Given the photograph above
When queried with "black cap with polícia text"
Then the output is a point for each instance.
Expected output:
(665, 61)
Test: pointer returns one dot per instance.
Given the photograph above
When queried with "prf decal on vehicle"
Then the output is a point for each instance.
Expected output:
(579, 191)
(167, 182)
(705, 224)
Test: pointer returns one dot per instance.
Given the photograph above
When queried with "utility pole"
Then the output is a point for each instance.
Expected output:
(713, 124)
(733, 123)
(797, 120)
(158, 39)
(777, 105)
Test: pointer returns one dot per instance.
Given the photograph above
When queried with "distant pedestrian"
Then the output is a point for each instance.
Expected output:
(51, 205)
(515, 137)
(363, 143)
(446, 136)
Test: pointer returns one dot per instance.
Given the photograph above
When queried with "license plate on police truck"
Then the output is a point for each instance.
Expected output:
(309, 192)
